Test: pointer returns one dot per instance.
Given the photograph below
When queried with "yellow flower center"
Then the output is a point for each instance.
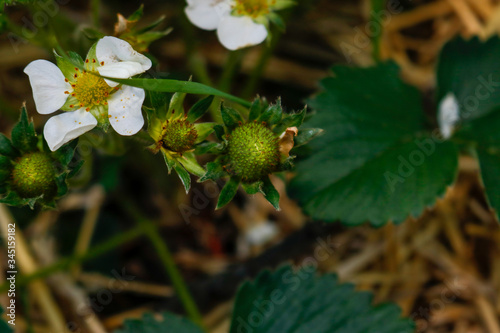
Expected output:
(90, 90)
(252, 8)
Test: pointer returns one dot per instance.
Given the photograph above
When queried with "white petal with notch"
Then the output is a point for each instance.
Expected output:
(48, 84)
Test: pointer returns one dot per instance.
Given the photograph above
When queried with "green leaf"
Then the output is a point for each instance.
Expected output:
(286, 301)
(169, 323)
(230, 117)
(6, 147)
(484, 135)
(228, 192)
(172, 86)
(23, 134)
(4, 327)
(199, 109)
(270, 193)
(373, 163)
(469, 69)
(184, 176)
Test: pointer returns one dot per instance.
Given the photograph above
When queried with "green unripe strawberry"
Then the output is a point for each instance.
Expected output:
(179, 135)
(33, 175)
(253, 151)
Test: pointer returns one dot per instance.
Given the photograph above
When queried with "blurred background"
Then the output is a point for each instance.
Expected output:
(442, 268)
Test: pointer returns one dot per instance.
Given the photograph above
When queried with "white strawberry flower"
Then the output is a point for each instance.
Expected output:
(239, 23)
(88, 99)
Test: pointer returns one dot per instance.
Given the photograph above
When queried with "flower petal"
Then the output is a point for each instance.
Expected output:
(448, 115)
(207, 14)
(124, 111)
(118, 58)
(237, 32)
(119, 70)
(48, 84)
(67, 126)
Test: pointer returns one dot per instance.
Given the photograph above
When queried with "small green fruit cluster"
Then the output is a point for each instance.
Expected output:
(179, 135)
(253, 151)
(34, 175)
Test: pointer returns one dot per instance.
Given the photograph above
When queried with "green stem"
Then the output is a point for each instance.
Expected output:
(256, 74)
(66, 263)
(95, 10)
(152, 232)
(231, 67)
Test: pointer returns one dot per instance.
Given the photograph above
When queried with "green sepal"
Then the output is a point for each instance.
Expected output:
(136, 16)
(90, 65)
(283, 4)
(219, 132)
(203, 130)
(48, 205)
(272, 114)
(305, 135)
(153, 25)
(69, 65)
(169, 161)
(72, 100)
(199, 109)
(188, 161)
(4, 175)
(270, 193)
(100, 112)
(176, 107)
(184, 176)
(6, 147)
(230, 117)
(75, 169)
(154, 124)
(252, 188)
(159, 102)
(228, 192)
(13, 199)
(62, 186)
(208, 148)
(277, 20)
(258, 105)
(93, 34)
(65, 154)
(214, 171)
(290, 120)
(23, 134)
(5, 168)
